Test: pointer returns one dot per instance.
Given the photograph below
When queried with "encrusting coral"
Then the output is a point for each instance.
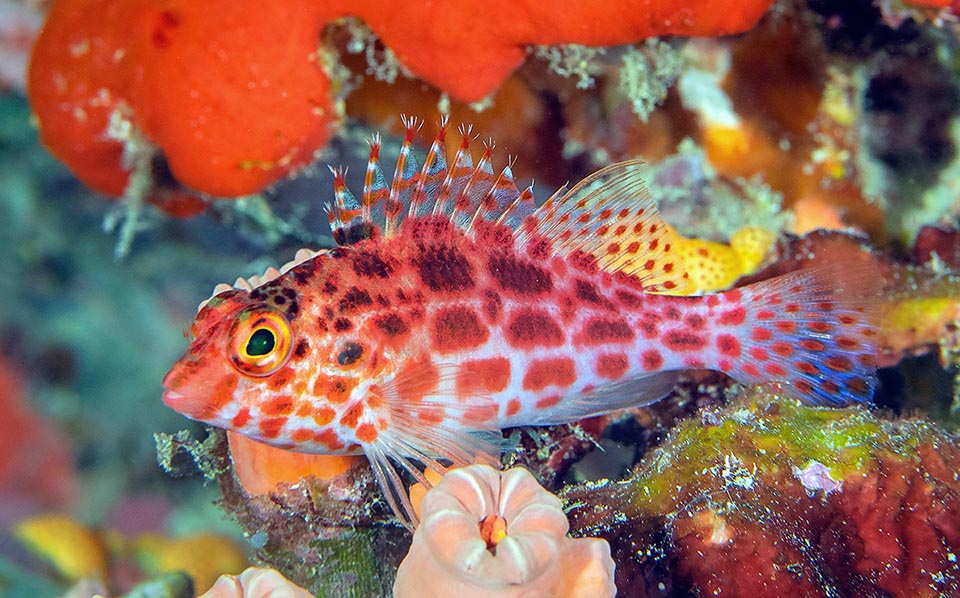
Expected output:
(209, 87)
(770, 497)
(260, 467)
(490, 533)
(713, 266)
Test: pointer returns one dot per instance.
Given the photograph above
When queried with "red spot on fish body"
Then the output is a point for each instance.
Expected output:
(839, 364)
(774, 369)
(323, 415)
(352, 416)
(683, 340)
(301, 435)
(728, 345)
(785, 326)
(270, 427)
(733, 317)
(281, 405)
(457, 328)
(482, 376)
(241, 418)
(367, 433)
(782, 349)
(652, 360)
(599, 331)
(335, 389)
(821, 327)
(549, 401)
(559, 371)
(806, 367)
(612, 366)
(329, 438)
(530, 328)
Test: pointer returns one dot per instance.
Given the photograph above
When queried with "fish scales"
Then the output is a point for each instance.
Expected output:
(454, 308)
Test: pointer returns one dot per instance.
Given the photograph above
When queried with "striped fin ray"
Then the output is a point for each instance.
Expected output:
(344, 212)
(375, 190)
(432, 175)
(611, 218)
(458, 175)
(481, 182)
(405, 177)
(500, 197)
(513, 207)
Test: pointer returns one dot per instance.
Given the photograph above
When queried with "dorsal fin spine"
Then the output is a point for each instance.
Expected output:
(404, 176)
(434, 172)
(345, 206)
(457, 175)
(479, 185)
(374, 184)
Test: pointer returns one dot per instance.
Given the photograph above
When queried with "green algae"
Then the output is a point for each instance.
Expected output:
(768, 439)
(352, 565)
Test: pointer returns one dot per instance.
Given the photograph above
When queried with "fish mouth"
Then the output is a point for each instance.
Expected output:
(189, 405)
(174, 399)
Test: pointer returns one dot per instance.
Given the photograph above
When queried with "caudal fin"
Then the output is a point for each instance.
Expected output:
(815, 331)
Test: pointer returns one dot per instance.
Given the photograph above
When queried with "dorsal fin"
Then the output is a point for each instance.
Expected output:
(611, 217)
(461, 192)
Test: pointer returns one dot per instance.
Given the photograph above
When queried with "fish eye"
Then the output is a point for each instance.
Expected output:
(260, 342)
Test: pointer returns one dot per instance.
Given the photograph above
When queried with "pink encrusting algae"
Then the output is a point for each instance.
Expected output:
(455, 307)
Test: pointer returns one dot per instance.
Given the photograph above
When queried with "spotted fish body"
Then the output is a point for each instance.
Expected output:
(454, 307)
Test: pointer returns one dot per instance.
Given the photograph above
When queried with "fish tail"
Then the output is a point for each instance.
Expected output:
(813, 330)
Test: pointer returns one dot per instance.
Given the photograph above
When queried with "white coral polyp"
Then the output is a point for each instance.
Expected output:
(449, 556)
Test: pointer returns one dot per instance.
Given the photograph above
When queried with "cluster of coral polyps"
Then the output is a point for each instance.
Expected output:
(772, 498)
(234, 94)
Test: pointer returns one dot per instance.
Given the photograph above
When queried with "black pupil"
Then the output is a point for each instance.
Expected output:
(261, 342)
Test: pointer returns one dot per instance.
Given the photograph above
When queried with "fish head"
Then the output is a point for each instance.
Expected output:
(237, 344)
(266, 363)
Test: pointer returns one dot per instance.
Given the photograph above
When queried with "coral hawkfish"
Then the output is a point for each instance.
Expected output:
(454, 307)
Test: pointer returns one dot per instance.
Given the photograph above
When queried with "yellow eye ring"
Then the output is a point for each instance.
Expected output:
(260, 342)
